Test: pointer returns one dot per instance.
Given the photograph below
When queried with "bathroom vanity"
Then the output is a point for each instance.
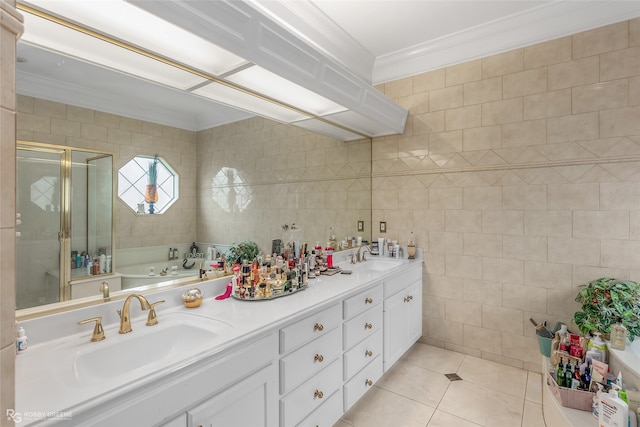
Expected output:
(304, 359)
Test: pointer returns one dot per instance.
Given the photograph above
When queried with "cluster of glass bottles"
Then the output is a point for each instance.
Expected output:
(91, 265)
(576, 376)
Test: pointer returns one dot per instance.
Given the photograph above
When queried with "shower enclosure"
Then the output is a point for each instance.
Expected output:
(65, 202)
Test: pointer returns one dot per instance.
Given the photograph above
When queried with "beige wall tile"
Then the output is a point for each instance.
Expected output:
(548, 275)
(601, 96)
(448, 242)
(483, 291)
(574, 251)
(463, 312)
(525, 248)
(619, 196)
(429, 81)
(634, 91)
(601, 225)
(502, 221)
(482, 198)
(599, 40)
(524, 197)
(428, 123)
(463, 73)
(483, 245)
(634, 32)
(547, 222)
(445, 330)
(547, 53)
(445, 198)
(463, 220)
(503, 270)
(485, 138)
(503, 63)
(525, 83)
(521, 348)
(583, 274)
(577, 127)
(445, 287)
(463, 266)
(574, 73)
(446, 98)
(483, 91)
(524, 298)
(561, 302)
(418, 103)
(498, 112)
(445, 142)
(548, 104)
(574, 196)
(524, 134)
(399, 88)
(619, 253)
(502, 319)
(482, 339)
(620, 122)
(620, 63)
(463, 117)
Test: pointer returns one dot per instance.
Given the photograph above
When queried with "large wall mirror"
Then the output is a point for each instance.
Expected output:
(242, 177)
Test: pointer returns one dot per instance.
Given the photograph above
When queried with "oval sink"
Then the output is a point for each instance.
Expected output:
(378, 265)
(177, 335)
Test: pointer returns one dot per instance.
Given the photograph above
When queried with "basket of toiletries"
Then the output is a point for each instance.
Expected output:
(570, 398)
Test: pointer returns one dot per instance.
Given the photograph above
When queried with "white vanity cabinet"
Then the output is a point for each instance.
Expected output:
(311, 369)
(217, 392)
(402, 314)
(362, 343)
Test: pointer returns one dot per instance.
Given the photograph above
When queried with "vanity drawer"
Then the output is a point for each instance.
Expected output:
(327, 414)
(309, 359)
(361, 354)
(314, 326)
(363, 301)
(398, 282)
(311, 394)
(362, 382)
(362, 326)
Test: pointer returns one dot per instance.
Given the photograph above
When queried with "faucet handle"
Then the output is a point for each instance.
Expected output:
(98, 332)
(152, 319)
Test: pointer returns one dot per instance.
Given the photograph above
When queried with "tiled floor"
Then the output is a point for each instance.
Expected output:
(416, 393)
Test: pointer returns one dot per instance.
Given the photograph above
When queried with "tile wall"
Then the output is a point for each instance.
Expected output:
(256, 175)
(10, 29)
(520, 175)
(50, 122)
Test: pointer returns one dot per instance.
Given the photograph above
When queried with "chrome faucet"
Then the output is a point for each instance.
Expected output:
(362, 258)
(125, 319)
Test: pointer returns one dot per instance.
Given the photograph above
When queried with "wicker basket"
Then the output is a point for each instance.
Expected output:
(570, 398)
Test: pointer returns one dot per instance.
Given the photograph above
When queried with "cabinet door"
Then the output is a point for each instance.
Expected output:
(251, 402)
(396, 335)
(414, 327)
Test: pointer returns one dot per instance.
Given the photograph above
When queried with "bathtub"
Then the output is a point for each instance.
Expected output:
(627, 362)
(134, 276)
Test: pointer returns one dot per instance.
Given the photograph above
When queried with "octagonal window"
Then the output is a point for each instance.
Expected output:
(148, 185)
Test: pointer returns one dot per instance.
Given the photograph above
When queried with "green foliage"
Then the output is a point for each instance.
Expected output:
(152, 172)
(604, 301)
(244, 250)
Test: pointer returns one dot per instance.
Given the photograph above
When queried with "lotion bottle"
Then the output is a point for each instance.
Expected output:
(22, 342)
(613, 411)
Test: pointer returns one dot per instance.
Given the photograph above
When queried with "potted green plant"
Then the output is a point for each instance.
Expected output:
(244, 250)
(606, 300)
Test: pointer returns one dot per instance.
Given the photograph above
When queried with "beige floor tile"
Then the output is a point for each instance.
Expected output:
(443, 419)
(382, 408)
(534, 387)
(434, 358)
(413, 382)
(493, 375)
(532, 416)
(482, 406)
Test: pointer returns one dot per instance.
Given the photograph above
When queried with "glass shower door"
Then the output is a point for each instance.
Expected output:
(39, 203)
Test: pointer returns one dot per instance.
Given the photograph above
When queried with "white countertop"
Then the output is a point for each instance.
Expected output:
(42, 385)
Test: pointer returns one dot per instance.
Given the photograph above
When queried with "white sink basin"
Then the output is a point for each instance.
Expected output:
(377, 265)
(177, 335)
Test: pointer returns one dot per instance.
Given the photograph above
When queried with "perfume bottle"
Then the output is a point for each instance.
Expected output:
(618, 335)
(411, 246)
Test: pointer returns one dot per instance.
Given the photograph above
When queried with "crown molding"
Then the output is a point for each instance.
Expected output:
(560, 18)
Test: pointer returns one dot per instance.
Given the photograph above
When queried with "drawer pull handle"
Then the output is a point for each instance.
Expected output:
(368, 353)
(318, 394)
(368, 382)
(368, 326)
(368, 300)
(318, 358)
(318, 327)
(408, 298)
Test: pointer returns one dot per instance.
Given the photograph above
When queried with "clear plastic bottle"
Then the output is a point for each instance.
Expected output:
(565, 339)
(618, 335)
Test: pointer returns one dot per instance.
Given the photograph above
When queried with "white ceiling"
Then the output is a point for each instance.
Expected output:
(377, 40)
